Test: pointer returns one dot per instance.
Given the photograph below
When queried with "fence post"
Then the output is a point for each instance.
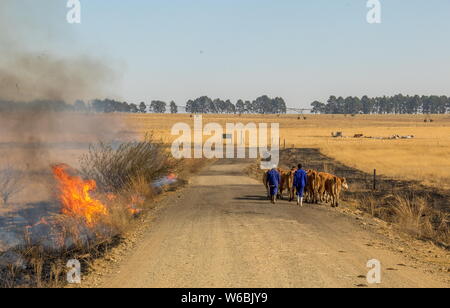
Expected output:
(374, 179)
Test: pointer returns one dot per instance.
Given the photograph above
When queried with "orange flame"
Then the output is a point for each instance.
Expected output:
(75, 198)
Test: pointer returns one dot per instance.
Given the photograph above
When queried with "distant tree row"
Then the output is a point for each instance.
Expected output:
(262, 105)
(97, 105)
(398, 104)
(37, 106)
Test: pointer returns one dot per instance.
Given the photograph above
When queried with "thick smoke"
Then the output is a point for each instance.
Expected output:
(30, 73)
(31, 141)
(28, 77)
(31, 69)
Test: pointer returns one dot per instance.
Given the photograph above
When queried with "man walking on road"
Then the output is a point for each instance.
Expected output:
(273, 180)
(300, 182)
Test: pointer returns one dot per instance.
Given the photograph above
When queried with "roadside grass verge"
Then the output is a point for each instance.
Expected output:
(410, 214)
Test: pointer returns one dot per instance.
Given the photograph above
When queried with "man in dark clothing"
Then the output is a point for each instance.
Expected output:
(300, 182)
(273, 180)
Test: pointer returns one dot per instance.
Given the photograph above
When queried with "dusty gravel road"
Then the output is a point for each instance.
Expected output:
(221, 232)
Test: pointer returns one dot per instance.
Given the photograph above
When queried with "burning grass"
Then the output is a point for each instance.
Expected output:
(98, 205)
(75, 198)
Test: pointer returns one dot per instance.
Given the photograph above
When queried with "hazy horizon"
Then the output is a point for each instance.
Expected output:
(179, 50)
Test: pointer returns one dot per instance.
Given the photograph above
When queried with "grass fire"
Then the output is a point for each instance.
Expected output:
(74, 194)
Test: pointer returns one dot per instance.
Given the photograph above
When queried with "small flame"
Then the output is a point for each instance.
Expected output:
(136, 204)
(75, 198)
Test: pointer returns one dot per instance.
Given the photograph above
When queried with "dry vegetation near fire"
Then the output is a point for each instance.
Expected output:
(72, 190)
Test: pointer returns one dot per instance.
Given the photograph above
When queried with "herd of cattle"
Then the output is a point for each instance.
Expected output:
(321, 186)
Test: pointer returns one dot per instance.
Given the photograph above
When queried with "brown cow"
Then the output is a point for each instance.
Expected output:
(333, 188)
(322, 192)
(291, 188)
(285, 182)
(312, 187)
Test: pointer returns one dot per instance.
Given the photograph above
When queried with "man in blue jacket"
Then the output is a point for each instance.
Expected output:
(300, 182)
(273, 180)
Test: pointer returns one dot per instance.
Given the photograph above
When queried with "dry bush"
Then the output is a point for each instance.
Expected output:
(416, 217)
(8, 276)
(139, 189)
(56, 271)
(369, 204)
(442, 222)
(38, 268)
(11, 183)
(411, 213)
(123, 206)
(114, 167)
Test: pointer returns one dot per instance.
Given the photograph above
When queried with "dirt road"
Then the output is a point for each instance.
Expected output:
(221, 232)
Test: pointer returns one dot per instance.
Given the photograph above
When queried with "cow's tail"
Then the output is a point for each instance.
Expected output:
(335, 190)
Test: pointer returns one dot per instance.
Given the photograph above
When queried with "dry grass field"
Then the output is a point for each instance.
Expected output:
(425, 158)
(32, 144)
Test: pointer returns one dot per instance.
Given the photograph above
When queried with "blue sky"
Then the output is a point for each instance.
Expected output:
(297, 49)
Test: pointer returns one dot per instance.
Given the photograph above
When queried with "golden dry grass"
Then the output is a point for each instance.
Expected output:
(425, 158)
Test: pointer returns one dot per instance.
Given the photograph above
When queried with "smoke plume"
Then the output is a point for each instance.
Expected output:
(28, 77)
(32, 67)
(30, 73)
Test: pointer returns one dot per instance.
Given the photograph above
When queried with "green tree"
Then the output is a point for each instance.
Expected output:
(142, 107)
(173, 107)
(318, 107)
(134, 108)
(158, 107)
(240, 106)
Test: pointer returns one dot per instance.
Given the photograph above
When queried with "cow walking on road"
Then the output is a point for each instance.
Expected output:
(331, 187)
(312, 187)
(300, 182)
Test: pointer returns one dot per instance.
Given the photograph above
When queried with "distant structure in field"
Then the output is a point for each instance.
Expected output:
(298, 110)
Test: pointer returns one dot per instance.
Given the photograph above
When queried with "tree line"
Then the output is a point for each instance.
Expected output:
(398, 104)
(261, 105)
(96, 105)
(204, 104)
